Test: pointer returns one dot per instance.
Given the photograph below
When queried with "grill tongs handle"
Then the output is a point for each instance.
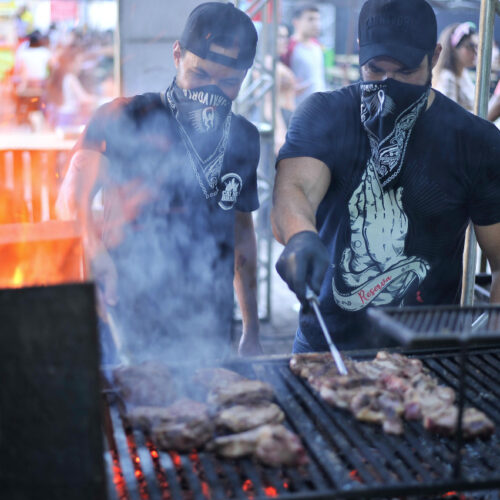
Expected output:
(312, 298)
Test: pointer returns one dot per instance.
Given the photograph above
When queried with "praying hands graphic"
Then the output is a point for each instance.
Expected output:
(375, 263)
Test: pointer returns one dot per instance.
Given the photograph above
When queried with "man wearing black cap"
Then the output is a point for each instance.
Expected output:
(377, 182)
(178, 176)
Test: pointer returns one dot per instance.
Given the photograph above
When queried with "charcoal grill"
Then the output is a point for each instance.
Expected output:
(347, 458)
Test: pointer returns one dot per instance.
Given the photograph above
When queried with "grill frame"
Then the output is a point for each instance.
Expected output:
(444, 325)
(337, 444)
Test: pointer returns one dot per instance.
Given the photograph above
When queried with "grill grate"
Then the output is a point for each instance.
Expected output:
(439, 325)
(347, 458)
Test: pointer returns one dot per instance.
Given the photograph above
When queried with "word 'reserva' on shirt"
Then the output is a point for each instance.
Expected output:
(175, 257)
(400, 243)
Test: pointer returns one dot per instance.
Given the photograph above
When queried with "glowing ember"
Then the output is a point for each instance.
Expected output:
(270, 491)
(355, 476)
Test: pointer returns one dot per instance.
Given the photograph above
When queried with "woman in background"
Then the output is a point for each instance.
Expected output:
(450, 75)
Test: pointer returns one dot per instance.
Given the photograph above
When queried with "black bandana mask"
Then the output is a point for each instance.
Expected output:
(201, 110)
(389, 111)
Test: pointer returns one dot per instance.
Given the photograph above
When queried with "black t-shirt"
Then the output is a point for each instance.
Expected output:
(175, 257)
(403, 245)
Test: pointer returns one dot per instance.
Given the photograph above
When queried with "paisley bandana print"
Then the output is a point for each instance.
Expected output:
(204, 118)
(389, 111)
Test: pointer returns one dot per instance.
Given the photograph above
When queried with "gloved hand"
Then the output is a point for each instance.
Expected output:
(304, 261)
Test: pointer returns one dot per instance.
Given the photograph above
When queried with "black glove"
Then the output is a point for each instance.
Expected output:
(304, 261)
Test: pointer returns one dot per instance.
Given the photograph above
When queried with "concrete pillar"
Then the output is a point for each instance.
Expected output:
(147, 31)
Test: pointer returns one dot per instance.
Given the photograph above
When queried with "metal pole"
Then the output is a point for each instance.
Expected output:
(486, 24)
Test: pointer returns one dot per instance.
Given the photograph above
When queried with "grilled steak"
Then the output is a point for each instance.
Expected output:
(273, 445)
(245, 392)
(388, 388)
(149, 383)
(182, 436)
(241, 418)
(211, 378)
(183, 410)
(183, 426)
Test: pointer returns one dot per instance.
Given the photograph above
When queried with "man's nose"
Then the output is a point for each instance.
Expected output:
(388, 74)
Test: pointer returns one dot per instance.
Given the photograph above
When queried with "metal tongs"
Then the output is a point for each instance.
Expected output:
(312, 298)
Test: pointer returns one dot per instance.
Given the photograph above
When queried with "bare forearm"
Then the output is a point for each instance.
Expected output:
(291, 214)
(301, 184)
(245, 282)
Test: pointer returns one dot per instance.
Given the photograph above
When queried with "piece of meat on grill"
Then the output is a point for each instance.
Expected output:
(273, 445)
(149, 383)
(244, 392)
(388, 388)
(183, 410)
(277, 446)
(311, 364)
(182, 436)
(211, 378)
(182, 426)
(241, 418)
(474, 422)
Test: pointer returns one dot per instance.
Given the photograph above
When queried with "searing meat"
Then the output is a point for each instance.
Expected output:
(242, 392)
(149, 383)
(271, 444)
(241, 418)
(276, 446)
(386, 390)
(183, 410)
(211, 378)
(182, 436)
(182, 426)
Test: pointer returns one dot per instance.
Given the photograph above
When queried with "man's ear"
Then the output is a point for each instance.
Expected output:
(437, 52)
(177, 52)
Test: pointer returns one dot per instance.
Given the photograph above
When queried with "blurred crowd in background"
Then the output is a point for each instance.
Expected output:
(55, 78)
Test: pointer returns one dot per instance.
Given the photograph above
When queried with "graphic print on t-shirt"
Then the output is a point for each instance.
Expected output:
(374, 267)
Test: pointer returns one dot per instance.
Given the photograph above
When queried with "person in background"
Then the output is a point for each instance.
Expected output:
(451, 76)
(305, 55)
(69, 104)
(177, 170)
(377, 182)
(31, 70)
(285, 89)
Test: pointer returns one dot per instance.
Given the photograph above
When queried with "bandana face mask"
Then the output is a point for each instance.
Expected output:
(201, 110)
(389, 111)
(204, 118)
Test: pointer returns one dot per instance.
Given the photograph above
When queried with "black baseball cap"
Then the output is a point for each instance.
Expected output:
(404, 30)
(222, 24)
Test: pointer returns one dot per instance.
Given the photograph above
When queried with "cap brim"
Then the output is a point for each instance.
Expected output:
(409, 56)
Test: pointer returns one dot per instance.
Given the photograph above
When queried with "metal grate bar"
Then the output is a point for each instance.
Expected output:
(234, 481)
(489, 376)
(147, 466)
(317, 447)
(349, 453)
(450, 374)
(363, 437)
(192, 478)
(437, 458)
(249, 471)
(125, 459)
(359, 436)
(216, 490)
(171, 474)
